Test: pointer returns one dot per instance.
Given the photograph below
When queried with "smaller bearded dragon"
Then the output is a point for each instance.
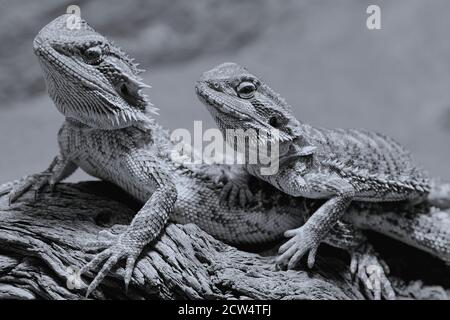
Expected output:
(340, 165)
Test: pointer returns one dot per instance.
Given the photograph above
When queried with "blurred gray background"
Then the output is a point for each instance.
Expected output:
(319, 55)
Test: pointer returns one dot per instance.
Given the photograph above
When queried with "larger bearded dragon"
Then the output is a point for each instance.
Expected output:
(109, 133)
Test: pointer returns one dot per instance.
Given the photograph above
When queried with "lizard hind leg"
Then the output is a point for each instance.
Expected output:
(366, 266)
(372, 272)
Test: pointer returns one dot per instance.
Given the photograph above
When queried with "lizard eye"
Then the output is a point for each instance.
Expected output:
(246, 90)
(93, 55)
(274, 122)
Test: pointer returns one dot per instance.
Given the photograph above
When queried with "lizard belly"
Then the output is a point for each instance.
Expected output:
(199, 201)
(95, 167)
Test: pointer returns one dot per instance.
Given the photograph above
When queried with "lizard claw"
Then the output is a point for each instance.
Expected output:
(36, 181)
(372, 272)
(6, 188)
(123, 248)
(293, 250)
(235, 191)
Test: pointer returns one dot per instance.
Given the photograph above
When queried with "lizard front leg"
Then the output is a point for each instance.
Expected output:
(59, 169)
(146, 225)
(313, 232)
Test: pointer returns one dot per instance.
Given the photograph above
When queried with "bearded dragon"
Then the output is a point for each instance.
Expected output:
(110, 133)
(339, 165)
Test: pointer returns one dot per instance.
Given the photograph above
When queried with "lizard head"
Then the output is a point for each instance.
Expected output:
(90, 79)
(237, 99)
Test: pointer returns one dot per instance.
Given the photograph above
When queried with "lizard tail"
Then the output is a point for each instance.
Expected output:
(428, 231)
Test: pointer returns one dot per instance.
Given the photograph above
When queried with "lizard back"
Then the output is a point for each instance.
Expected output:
(368, 156)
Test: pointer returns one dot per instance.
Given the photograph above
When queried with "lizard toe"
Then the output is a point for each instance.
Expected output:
(297, 256)
(122, 249)
(98, 245)
(382, 287)
(107, 240)
(372, 273)
(35, 181)
(224, 194)
(245, 196)
(300, 243)
(283, 259)
(376, 286)
(110, 262)
(233, 196)
(312, 255)
(235, 193)
(94, 263)
(131, 261)
(286, 246)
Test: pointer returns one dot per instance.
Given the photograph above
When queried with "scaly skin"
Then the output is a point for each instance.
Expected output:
(109, 134)
(334, 164)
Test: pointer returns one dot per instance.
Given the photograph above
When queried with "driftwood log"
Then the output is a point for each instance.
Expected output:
(42, 245)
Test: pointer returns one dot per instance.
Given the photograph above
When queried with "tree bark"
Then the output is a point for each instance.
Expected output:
(43, 244)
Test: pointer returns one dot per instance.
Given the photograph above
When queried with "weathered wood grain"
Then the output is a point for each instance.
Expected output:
(43, 242)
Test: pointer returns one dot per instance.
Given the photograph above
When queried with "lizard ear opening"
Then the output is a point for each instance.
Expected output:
(131, 90)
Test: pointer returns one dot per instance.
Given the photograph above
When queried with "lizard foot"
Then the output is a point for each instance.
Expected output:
(302, 241)
(108, 241)
(123, 248)
(36, 181)
(372, 272)
(234, 191)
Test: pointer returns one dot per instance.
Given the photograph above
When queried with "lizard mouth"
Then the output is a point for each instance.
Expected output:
(222, 108)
